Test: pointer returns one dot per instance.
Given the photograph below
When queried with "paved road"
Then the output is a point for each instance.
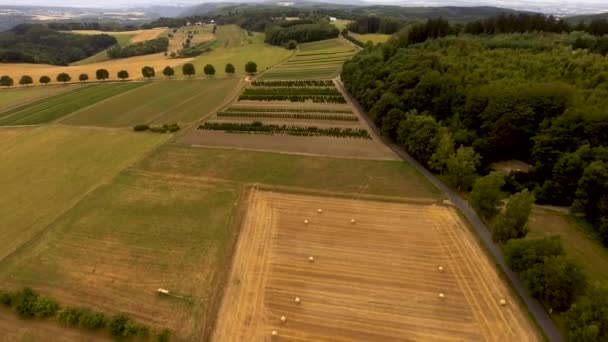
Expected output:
(535, 308)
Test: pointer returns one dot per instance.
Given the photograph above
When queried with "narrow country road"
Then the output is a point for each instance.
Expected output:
(534, 307)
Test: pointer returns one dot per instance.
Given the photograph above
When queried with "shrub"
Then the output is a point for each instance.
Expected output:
(163, 336)
(121, 326)
(5, 299)
(24, 303)
(139, 128)
(45, 307)
(91, 320)
(70, 316)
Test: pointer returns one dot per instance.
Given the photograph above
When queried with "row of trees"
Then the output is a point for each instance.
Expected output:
(260, 128)
(148, 72)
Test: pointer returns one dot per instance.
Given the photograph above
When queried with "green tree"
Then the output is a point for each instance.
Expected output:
(251, 67)
(188, 69)
(6, 81)
(230, 69)
(443, 151)
(486, 194)
(416, 133)
(64, 78)
(26, 80)
(123, 74)
(523, 254)
(209, 70)
(587, 319)
(556, 282)
(461, 167)
(83, 77)
(168, 71)
(102, 74)
(44, 79)
(148, 72)
(512, 224)
(592, 192)
(390, 122)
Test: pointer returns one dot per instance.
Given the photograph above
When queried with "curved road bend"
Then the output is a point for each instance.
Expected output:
(534, 306)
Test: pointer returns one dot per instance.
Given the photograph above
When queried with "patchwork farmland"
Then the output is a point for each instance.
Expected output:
(314, 60)
(300, 116)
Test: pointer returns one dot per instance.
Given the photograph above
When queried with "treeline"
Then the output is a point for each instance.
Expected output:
(459, 103)
(375, 24)
(307, 131)
(28, 304)
(36, 43)
(138, 49)
(97, 26)
(518, 23)
(300, 33)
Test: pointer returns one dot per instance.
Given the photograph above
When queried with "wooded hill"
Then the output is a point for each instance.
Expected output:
(36, 43)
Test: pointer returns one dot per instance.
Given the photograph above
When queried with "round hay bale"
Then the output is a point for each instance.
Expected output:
(503, 302)
(275, 333)
(441, 295)
(283, 319)
(319, 210)
(311, 259)
(305, 221)
(352, 221)
(440, 268)
(297, 300)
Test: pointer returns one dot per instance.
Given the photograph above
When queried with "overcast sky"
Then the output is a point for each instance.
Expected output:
(580, 5)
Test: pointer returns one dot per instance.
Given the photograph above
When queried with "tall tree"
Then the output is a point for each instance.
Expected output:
(445, 149)
(6, 81)
(64, 77)
(83, 77)
(461, 167)
(148, 72)
(512, 224)
(209, 70)
(188, 69)
(168, 71)
(230, 69)
(251, 67)
(486, 194)
(44, 80)
(123, 74)
(26, 80)
(102, 74)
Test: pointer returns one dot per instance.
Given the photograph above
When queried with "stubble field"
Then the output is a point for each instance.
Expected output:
(375, 280)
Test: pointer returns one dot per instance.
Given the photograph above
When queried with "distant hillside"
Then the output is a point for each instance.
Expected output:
(36, 43)
(586, 18)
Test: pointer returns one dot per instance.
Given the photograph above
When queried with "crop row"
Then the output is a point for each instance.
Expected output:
(309, 131)
(286, 110)
(292, 91)
(310, 116)
(294, 83)
(294, 98)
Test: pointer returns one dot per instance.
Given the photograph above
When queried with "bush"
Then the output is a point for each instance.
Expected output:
(121, 326)
(522, 254)
(24, 303)
(45, 307)
(139, 128)
(163, 336)
(91, 320)
(138, 49)
(5, 299)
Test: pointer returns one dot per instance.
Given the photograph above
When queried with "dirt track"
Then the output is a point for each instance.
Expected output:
(376, 280)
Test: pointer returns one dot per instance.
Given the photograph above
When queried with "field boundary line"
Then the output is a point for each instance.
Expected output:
(42, 98)
(535, 308)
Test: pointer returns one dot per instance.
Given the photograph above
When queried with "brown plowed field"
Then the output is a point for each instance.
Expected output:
(376, 280)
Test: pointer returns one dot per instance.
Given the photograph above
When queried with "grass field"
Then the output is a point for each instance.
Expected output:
(375, 38)
(51, 168)
(234, 45)
(578, 241)
(200, 35)
(389, 178)
(375, 280)
(158, 102)
(127, 239)
(56, 107)
(322, 59)
(15, 97)
(341, 23)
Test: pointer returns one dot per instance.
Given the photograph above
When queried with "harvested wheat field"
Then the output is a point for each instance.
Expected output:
(374, 280)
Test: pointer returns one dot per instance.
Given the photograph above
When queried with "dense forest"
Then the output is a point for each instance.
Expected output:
(375, 24)
(142, 48)
(459, 100)
(299, 31)
(98, 26)
(35, 43)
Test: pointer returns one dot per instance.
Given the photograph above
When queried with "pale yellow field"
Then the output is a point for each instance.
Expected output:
(140, 35)
(201, 35)
(133, 65)
(375, 280)
(375, 38)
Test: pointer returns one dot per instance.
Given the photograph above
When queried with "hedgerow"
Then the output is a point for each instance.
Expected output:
(29, 304)
(259, 128)
(157, 129)
(295, 83)
(294, 98)
(310, 116)
(292, 91)
(287, 110)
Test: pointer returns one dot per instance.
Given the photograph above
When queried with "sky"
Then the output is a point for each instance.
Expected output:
(548, 6)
